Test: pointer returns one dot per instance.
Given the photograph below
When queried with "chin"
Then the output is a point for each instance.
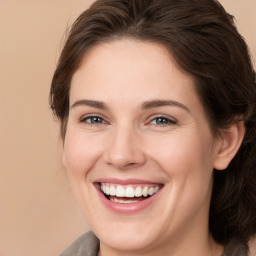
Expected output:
(127, 241)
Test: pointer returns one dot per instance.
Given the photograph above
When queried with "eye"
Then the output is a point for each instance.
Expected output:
(93, 120)
(163, 121)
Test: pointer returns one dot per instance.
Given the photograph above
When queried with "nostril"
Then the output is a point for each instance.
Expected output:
(122, 164)
(131, 164)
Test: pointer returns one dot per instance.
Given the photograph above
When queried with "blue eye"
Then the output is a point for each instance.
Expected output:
(93, 120)
(163, 121)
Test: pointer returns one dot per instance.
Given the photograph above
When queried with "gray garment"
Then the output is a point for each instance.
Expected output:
(88, 245)
(235, 248)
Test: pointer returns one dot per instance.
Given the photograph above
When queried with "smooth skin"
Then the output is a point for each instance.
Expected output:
(120, 126)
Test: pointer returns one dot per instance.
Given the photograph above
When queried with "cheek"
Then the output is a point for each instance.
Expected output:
(182, 155)
(80, 153)
(187, 163)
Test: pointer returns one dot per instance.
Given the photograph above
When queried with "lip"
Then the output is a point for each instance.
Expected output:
(130, 208)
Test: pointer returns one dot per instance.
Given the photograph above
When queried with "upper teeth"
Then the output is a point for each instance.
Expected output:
(129, 190)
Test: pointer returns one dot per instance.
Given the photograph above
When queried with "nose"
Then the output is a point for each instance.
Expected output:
(124, 150)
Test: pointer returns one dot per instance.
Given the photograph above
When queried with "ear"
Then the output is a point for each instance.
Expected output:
(229, 141)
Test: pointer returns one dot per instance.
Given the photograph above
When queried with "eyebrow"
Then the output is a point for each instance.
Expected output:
(146, 105)
(90, 103)
(162, 103)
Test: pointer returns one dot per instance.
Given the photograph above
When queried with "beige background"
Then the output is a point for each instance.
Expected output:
(38, 215)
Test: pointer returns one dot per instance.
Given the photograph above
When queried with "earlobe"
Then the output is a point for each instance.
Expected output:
(228, 144)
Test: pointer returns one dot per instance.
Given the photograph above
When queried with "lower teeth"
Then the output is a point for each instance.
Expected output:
(123, 201)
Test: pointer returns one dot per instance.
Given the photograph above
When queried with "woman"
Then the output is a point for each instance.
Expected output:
(156, 101)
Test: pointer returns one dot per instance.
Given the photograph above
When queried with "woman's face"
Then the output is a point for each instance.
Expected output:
(138, 131)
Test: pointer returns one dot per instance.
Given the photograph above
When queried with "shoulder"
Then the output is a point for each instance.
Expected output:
(236, 248)
(85, 245)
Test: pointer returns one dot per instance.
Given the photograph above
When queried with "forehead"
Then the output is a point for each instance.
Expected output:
(129, 65)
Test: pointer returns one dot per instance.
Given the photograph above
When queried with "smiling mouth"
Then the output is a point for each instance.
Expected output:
(126, 194)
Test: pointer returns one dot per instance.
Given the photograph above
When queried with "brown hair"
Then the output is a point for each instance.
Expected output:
(203, 39)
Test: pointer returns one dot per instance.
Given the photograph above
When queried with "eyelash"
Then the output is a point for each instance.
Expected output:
(85, 120)
(165, 121)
